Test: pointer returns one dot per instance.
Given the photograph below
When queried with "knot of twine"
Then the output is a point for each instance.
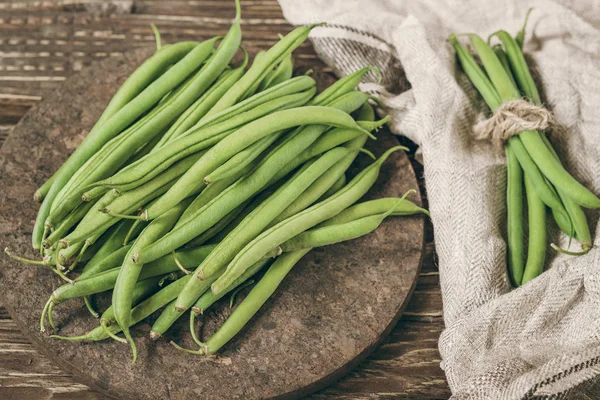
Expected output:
(510, 119)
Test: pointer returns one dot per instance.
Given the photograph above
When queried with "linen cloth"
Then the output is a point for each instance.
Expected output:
(543, 339)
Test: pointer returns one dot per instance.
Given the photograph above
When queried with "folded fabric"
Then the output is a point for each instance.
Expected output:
(543, 339)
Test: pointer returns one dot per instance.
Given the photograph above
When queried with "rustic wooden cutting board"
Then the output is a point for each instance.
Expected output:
(329, 313)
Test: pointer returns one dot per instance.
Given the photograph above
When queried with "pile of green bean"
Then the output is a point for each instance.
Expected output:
(532, 163)
(198, 176)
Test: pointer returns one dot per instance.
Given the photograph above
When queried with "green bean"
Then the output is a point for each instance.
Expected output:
(520, 38)
(146, 99)
(348, 102)
(143, 290)
(212, 190)
(243, 138)
(108, 242)
(536, 251)
(518, 66)
(300, 222)
(105, 200)
(398, 207)
(138, 313)
(235, 164)
(259, 294)
(325, 182)
(476, 75)
(114, 241)
(244, 188)
(168, 316)
(95, 162)
(122, 299)
(99, 221)
(282, 73)
(104, 130)
(256, 201)
(337, 185)
(292, 86)
(43, 190)
(576, 218)
(73, 218)
(218, 227)
(342, 85)
(111, 261)
(503, 58)
(336, 233)
(161, 120)
(514, 209)
(70, 256)
(104, 281)
(543, 158)
(246, 86)
(209, 298)
(331, 139)
(256, 222)
(188, 119)
(233, 196)
(545, 192)
(147, 167)
(317, 188)
(70, 192)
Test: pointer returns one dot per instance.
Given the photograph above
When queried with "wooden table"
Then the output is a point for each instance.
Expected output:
(43, 42)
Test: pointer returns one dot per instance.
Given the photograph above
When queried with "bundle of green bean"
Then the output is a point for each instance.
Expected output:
(532, 162)
(190, 151)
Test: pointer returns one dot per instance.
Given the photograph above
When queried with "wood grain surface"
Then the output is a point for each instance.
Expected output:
(43, 42)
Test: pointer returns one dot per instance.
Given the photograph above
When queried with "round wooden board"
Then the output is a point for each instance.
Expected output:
(329, 313)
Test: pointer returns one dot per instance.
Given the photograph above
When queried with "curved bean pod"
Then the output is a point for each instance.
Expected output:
(259, 294)
(336, 233)
(536, 251)
(260, 67)
(122, 298)
(308, 218)
(251, 226)
(292, 86)
(396, 206)
(343, 85)
(235, 164)
(337, 185)
(282, 73)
